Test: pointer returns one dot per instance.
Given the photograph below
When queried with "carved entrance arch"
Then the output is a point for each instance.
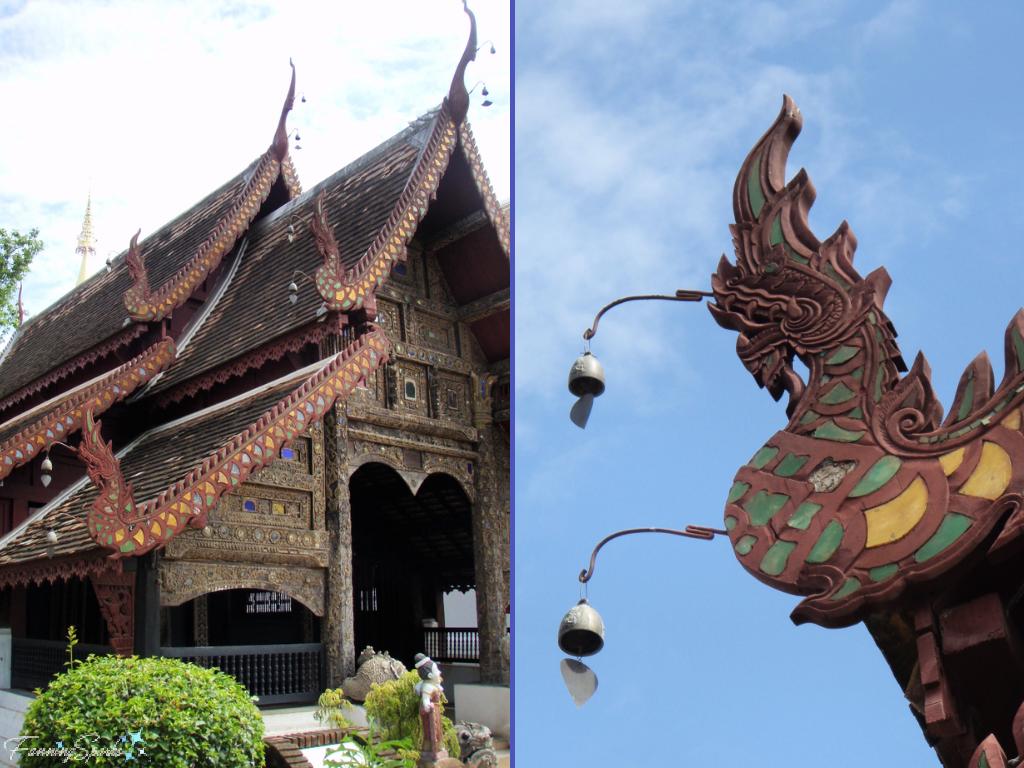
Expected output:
(183, 581)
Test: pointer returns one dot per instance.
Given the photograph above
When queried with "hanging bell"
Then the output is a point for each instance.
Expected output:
(586, 381)
(581, 632)
(586, 377)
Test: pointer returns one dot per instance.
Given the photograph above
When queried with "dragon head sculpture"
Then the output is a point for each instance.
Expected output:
(790, 295)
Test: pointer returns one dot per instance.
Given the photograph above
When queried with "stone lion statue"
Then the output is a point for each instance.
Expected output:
(372, 667)
(475, 747)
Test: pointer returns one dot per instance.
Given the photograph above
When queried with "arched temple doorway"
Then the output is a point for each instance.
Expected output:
(408, 550)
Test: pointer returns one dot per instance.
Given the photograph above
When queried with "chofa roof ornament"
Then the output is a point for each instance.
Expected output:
(280, 143)
(458, 96)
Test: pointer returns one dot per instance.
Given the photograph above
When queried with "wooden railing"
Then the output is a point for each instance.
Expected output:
(35, 662)
(452, 644)
(276, 674)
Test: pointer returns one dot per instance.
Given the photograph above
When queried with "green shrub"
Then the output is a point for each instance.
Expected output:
(394, 708)
(332, 706)
(183, 715)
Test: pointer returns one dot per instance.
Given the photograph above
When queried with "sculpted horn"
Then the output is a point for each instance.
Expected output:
(763, 173)
(280, 143)
(458, 96)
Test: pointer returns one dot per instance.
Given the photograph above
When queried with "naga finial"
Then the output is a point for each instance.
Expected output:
(280, 143)
(137, 267)
(458, 96)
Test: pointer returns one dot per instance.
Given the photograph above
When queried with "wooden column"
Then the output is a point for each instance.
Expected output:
(490, 533)
(147, 605)
(338, 629)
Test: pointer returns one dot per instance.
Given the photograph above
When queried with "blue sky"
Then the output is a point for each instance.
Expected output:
(155, 104)
(632, 120)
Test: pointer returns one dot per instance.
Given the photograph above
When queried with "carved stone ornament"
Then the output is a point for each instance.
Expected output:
(867, 495)
(476, 747)
(375, 668)
(182, 581)
(146, 305)
(116, 522)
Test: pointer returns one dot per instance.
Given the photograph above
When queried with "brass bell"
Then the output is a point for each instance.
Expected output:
(581, 632)
(586, 381)
(586, 377)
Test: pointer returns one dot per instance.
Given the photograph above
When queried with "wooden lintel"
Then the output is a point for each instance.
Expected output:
(486, 306)
(456, 231)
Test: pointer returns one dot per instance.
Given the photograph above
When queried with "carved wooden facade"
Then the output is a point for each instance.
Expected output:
(243, 449)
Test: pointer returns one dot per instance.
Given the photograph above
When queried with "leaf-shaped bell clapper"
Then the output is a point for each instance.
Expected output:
(581, 632)
(586, 381)
(47, 468)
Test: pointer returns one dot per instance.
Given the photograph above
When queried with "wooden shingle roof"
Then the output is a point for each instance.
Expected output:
(152, 463)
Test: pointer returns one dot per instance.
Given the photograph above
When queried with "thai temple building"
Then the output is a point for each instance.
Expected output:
(276, 430)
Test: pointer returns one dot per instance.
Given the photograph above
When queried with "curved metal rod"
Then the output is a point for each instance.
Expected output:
(692, 531)
(681, 295)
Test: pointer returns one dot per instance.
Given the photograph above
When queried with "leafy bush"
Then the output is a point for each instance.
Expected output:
(332, 707)
(163, 711)
(394, 708)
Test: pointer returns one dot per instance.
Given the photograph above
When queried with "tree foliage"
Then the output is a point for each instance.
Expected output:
(17, 251)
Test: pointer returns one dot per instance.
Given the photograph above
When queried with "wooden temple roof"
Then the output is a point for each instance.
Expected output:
(152, 463)
(94, 312)
(426, 182)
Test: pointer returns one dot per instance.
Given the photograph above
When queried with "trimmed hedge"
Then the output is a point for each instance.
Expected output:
(183, 716)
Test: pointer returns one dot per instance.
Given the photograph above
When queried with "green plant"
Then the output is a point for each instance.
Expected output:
(373, 753)
(332, 707)
(72, 642)
(394, 708)
(163, 711)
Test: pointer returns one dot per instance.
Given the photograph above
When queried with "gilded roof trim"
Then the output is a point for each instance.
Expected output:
(116, 522)
(145, 305)
(483, 184)
(291, 178)
(348, 291)
(67, 418)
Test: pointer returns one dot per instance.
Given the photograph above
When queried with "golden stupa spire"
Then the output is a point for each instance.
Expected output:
(86, 243)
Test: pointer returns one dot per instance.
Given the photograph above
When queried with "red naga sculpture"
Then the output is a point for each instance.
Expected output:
(868, 497)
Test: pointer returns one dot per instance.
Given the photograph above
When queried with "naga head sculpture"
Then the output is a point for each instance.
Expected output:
(788, 294)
